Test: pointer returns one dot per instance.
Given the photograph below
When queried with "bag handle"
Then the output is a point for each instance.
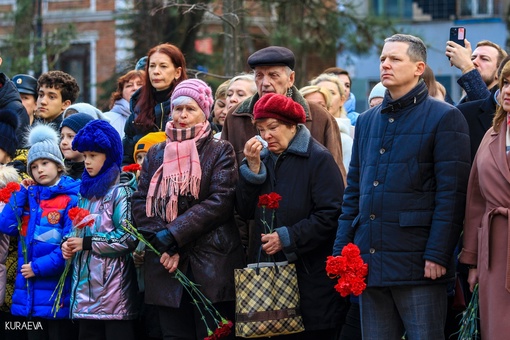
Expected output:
(257, 269)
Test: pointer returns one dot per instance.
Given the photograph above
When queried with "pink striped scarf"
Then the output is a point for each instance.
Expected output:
(180, 172)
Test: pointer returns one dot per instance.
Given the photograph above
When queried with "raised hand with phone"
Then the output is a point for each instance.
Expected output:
(458, 50)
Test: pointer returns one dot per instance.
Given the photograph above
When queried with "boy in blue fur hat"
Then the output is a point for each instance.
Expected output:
(104, 281)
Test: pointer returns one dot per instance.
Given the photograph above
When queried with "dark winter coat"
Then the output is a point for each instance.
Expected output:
(10, 99)
(133, 133)
(208, 241)
(406, 188)
(309, 181)
(479, 115)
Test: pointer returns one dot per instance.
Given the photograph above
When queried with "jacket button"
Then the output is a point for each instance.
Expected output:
(372, 250)
(372, 217)
(382, 150)
(391, 120)
(376, 183)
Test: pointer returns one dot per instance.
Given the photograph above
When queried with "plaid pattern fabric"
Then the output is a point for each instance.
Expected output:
(267, 301)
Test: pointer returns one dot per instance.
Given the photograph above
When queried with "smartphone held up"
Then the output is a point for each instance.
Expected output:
(457, 35)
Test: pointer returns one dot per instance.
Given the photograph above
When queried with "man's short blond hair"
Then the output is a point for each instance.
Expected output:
(501, 52)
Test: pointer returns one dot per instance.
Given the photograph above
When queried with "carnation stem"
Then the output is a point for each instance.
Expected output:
(196, 295)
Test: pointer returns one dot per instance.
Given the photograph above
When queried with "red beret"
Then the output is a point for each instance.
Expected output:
(277, 106)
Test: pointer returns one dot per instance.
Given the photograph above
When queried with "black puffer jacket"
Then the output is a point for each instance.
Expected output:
(133, 133)
(207, 237)
(10, 99)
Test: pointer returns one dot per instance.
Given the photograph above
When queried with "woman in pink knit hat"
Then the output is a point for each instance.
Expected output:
(185, 207)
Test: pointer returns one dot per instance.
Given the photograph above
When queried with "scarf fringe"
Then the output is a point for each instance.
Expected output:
(179, 174)
(165, 202)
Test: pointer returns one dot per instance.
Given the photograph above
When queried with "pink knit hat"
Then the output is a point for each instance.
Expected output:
(195, 89)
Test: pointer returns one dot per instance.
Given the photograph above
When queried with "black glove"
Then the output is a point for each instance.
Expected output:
(165, 242)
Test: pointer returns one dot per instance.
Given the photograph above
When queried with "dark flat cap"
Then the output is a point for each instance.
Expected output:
(25, 84)
(272, 56)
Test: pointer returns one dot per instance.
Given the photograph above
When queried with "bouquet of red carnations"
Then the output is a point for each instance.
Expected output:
(349, 269)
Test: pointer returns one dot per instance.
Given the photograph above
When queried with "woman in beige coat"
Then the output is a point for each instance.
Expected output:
(487, 221)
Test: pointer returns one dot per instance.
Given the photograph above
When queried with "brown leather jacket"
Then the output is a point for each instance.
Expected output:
(238, 127)
(208, 240)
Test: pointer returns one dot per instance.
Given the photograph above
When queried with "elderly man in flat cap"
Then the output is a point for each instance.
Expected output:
(273, 67)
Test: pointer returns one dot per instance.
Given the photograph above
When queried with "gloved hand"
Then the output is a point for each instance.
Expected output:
(165, 242)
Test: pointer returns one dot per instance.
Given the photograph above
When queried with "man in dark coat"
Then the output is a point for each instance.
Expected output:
(479, 115)
(405, 197)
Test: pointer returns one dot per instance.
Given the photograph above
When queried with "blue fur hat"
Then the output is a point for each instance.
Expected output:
(43, 143)
(100, 136)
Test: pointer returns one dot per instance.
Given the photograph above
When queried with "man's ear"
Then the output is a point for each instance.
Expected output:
(292, 78)
(420, 68)
(65, 104)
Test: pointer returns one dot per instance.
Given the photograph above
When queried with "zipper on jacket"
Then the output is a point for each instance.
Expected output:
(162, 117)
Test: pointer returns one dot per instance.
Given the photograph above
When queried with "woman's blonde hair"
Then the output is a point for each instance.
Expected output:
(249, 77)
(221, 91)
(331, 78)
(501, 114)
(305, 91)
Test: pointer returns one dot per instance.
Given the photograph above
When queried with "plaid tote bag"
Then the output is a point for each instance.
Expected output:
(267, 300)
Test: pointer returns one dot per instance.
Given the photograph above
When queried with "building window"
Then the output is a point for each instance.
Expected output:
(76, 62)
(476, 8)
(395, 9)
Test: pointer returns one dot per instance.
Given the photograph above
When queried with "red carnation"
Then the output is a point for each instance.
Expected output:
(263, 201)
(24, 225)
(336, 266)
(132, 168)
(350, 251)
(5, 193)
(271, 200)
(274, 200)
(223, 329)
(4, 196)
(80, 215)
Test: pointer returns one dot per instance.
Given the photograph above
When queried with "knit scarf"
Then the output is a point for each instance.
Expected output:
(99, 185)
(180, 172)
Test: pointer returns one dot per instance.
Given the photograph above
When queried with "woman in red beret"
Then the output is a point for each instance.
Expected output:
(305, 175)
